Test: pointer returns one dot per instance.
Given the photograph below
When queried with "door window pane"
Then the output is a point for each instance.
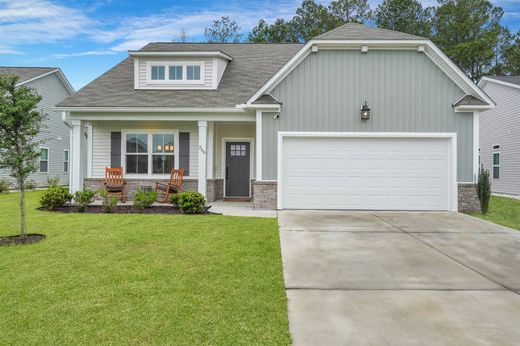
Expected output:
(193, 72)
(175, 73)
(158, 72)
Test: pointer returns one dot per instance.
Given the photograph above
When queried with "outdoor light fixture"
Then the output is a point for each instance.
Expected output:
(365, 112)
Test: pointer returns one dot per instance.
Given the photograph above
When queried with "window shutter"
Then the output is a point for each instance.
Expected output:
(115, 149)
(184, 152)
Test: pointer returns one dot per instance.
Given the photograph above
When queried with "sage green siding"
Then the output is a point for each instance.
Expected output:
(405, 90)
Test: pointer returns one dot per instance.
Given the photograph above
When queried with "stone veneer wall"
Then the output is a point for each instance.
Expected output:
(214, 189)
(468, 198)
(264, 194)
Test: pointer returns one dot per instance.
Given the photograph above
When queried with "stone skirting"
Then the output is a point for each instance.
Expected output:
(133, 184)
(264, 194)
(214, 189)
(468, 198)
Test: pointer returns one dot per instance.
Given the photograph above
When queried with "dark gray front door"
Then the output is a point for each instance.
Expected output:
(237, 169)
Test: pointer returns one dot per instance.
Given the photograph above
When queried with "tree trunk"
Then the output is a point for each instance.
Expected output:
(23, 225)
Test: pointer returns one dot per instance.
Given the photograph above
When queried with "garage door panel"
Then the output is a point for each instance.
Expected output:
(365, 173)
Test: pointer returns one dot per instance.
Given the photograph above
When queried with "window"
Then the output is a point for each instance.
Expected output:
(150, 153)
(44, 160)
(163, 159)
(175, 73)
(496, 163)
(66, 161)
(158, 73)
(193, 72)
(137, 153)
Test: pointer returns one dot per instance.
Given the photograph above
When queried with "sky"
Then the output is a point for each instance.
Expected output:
(86, 38)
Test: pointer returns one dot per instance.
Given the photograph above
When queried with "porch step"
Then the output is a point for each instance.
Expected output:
(237, 199)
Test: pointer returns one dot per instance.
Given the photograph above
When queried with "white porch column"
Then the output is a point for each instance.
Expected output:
(203, 140)
(476, 144)
(258, 145)
(211, 136)
(76, 181)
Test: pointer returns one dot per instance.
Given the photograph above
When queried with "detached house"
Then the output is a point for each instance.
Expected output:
(357, 118)
(52, 85)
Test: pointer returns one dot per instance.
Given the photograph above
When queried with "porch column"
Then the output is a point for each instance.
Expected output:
(211, 136)
(203, 140)
(258, 145)
(76, 177)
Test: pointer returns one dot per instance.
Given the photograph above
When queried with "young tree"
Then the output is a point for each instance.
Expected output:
(223, 30)
(347, 11)
(407, 16)
(467, 32)
(20, 122)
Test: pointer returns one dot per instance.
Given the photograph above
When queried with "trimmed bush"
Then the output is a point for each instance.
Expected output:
(82, 199)
(484, 189)
(191, 202)
(53, 181)
(55, 197)
(108, 203)
(144, 199)
(174, 199)
(4, 185)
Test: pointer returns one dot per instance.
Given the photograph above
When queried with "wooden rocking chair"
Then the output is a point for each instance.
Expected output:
(115, 183)
(173, 186)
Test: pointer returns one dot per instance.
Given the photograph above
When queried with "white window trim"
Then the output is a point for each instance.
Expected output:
(48, 160)
(495, 151)
(67, 161)
(251, 142)
(150, 134)
(167, 64)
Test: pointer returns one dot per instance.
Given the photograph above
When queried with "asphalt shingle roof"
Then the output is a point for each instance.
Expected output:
(26, 73)
(508, 79)
(354, 31)
(470, 100)
(252, 66)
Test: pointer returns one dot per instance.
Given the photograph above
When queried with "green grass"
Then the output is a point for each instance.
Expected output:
(141, 279)
(503, 211)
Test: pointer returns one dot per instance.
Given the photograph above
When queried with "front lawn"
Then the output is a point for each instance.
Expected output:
(503, 211)
(141, 279)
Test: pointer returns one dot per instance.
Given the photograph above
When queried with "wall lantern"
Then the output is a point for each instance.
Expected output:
(365, 112)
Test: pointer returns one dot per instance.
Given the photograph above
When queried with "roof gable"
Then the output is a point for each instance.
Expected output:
(26, 73)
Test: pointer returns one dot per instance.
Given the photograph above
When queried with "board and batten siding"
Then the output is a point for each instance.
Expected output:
(405, 90)
(101, 141)
(501, 126)
(208, 73)
(55, 135)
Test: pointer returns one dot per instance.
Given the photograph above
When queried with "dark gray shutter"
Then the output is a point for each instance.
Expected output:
(184, 152)
(115, 149)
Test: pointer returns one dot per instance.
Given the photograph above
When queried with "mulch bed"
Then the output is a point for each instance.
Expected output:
(123, 209)
(18, 240)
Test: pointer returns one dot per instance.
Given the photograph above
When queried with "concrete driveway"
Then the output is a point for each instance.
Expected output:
(399, 278)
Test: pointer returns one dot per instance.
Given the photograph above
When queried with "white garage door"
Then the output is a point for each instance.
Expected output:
(365, 173)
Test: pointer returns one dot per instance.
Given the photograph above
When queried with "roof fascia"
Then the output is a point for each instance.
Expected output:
(484, 80)
(182, 54)
(152, 109)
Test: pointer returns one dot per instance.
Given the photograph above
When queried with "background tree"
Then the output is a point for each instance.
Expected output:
(405, 16)
(348, 11)
(311, 20)
(223, 30)
(467, 31)
(504, 39)
(182, 36)
(512, 56)
(278, 32)
(20, 122)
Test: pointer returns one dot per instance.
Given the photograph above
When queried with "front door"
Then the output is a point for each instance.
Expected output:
(237, 169)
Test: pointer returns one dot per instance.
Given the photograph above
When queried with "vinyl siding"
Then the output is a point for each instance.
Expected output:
(55, 135)
(501, 126)
(223, 130)
(405, 90)
(208, 74)
(101, 141)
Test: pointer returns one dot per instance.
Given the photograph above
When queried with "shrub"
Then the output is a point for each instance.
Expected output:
(191, 202)
(108, 203)
(484, 189)
(82, 199)
(30, 185)
(53, 181)
(55, 197)
(144, 199)
(174, 199)
(4, 185)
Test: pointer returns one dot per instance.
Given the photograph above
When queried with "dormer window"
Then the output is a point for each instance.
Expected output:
(175, 72)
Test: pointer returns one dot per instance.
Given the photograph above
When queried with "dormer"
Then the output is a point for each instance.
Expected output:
(178, 70)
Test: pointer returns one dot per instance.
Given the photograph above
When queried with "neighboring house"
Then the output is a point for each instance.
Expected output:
(52, 85)
(500, 134)
(282, 123)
